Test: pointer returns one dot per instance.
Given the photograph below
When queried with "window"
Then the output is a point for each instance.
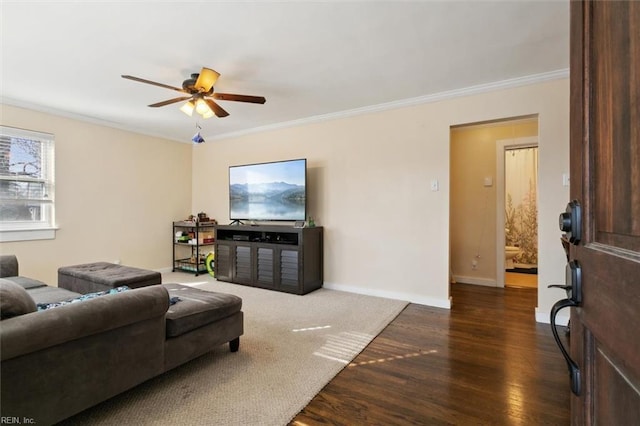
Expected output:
(26, 185)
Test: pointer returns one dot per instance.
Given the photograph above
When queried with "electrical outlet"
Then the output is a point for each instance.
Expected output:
(474, 264)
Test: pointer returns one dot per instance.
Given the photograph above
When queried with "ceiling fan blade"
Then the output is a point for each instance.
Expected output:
(142, 80)
(170, 101)
(206, 79)
(217, 109)
(239, 98)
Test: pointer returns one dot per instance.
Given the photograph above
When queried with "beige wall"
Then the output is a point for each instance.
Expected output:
(116, 195)
(473, 205)
(386, 232)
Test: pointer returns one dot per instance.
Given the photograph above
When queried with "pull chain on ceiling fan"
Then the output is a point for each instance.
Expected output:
(200, 94)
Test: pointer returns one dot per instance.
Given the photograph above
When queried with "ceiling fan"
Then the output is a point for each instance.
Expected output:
(199, 94)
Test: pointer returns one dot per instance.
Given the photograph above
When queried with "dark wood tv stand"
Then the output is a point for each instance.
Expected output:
(275, 257)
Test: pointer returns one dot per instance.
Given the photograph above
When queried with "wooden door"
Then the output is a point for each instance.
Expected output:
(605, 179)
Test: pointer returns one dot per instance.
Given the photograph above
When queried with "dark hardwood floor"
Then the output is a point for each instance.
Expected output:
(484, 362)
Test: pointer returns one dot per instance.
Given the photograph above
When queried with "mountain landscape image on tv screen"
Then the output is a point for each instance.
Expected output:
(268, 191)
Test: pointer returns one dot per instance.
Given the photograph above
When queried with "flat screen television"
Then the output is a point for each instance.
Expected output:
(268, 191)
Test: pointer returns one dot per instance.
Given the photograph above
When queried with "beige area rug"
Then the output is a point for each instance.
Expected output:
(292, 347)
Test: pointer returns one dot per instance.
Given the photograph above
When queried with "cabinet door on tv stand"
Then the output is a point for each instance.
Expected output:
(224, 261)
(289, 270)
(244, 264)
(265, 267)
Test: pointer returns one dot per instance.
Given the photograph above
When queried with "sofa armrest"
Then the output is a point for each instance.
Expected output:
(8, 266)
(38, 330)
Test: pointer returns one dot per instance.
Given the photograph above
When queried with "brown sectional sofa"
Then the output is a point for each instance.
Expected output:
(58, 362)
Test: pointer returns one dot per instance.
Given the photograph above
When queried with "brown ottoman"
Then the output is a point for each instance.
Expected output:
(198, 321)
(101, 276)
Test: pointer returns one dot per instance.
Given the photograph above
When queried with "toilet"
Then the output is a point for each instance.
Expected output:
(510, 252)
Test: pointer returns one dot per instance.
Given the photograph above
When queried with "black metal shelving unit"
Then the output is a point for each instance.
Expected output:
(190, 249)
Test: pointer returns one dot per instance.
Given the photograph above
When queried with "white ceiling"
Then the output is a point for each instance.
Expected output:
(309, 59)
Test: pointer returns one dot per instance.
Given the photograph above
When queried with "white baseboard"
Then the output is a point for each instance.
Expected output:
(544, 317)
(487, 282)
(413, 298)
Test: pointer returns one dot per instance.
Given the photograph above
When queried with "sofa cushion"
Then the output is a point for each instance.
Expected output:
(8, 265)
(50, 294)
(197, 308)
(14, 300)
(27, 283)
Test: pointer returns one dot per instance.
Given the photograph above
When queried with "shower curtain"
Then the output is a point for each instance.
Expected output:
(521, 224)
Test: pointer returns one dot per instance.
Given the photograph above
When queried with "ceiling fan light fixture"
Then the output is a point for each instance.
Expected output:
(206, 79)
(198, 93)
(202, 108)
(188, 108)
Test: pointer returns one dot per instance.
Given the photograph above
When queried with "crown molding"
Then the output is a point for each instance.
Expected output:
(79, 117)
(436, 97)
(403, 103)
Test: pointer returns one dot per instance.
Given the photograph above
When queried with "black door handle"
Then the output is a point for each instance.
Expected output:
(574, 298)
(564, 287)
(574, 370)
(573, 278)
